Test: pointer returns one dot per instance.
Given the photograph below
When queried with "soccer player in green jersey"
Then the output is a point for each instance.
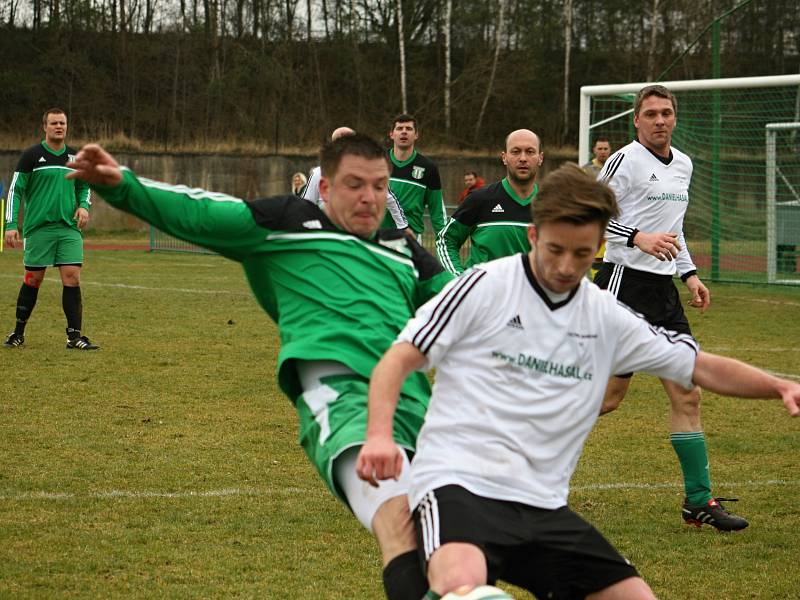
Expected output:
(415, 178)
(339, 289)
(55, 211)
(496, 217)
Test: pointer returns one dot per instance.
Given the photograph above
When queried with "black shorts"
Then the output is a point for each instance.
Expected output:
(653, 296)
(551, 553)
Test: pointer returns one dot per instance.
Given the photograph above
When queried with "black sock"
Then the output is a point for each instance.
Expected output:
(25, 303)
(403, 578)
(73, 310)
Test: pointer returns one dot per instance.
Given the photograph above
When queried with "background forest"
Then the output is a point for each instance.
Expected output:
(277, 75)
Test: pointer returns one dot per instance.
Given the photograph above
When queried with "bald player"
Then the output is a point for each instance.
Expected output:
(495, 218)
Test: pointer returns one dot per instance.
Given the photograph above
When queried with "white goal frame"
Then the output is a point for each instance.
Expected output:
(773, 172)
(589, 91)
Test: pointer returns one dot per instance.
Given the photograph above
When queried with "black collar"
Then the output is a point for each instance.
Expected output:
(661, 159)
(526, 265)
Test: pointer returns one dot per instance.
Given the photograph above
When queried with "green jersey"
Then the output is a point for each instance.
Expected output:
(49, 197)
(334, 296)
(417, 184)
(494, 218)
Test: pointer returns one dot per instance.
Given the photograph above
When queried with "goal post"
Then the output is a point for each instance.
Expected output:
(783, 201)
(720, 125)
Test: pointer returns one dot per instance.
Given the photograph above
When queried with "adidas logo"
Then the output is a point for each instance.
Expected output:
(516, 323)
(42, 159)
(653, 177)
(498, 209)
(313, 224)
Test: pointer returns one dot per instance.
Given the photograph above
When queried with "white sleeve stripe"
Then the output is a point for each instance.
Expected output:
(611, 168)
(441, 249)
(427, 335)
(619, 228)
(10, 197)
(398, 215)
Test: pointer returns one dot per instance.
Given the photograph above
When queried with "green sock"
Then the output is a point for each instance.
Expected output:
(690, 446)
(431, 595)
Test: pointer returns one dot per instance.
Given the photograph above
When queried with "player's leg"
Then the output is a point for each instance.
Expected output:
(384, 511)
(633, 588)
(26, 301)
(454, 565)
(69, 259)
(689, 443)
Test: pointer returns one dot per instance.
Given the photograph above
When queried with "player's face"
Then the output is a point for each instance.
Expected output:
(355, 198)
(404, 135)
(55, 128)
(561, 253)
(654, 123)
(469, 181)
(602, 150)
(522, 157)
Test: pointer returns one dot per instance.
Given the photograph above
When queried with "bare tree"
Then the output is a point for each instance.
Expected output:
(498, 40)
(447, 25)
(651, 53)
(567, 57)
(402, 48)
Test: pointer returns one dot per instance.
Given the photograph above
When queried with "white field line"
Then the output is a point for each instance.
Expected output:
(151, 494)
(151, 289)
(296, 491)
(763, 300)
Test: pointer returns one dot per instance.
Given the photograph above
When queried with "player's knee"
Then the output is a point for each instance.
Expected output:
(686, 402)
(33, 278)
(456, 565)
(394, 528)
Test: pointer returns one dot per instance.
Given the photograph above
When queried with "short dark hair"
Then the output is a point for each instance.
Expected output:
(570, 195)
(600, 138)
(473, 173)
(357, 144)
(654, 90)
(404, 118)
(52, 111)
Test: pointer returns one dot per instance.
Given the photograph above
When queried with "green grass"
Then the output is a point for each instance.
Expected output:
(167, 465)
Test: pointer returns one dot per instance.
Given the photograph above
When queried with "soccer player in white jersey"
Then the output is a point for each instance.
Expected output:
(523, 347)
(311, 189)
(645, 249)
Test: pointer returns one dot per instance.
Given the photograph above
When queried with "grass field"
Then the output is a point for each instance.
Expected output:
(166, 464)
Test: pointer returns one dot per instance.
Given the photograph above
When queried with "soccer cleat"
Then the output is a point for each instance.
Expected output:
(81, 343)
(714, 514)
(14, 340)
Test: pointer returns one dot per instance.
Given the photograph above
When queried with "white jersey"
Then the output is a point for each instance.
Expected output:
(311, 193)
(653, 194)
(520, 380)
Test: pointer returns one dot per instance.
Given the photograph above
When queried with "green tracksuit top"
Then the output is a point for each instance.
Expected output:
(49, 197)
(333, 295)
(417, 184)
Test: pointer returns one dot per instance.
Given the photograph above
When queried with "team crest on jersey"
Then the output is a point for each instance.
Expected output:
(418, 172)
(70, 157)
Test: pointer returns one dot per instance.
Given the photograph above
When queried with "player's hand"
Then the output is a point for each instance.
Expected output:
(96, 166)
(380, 458)
(11, 238)
(663, 245)
(701, 297)
(790, 392)
(81, 217)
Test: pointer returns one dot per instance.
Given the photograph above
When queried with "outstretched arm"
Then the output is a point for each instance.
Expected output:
(216, 221)
(730, 377)
(380, 458)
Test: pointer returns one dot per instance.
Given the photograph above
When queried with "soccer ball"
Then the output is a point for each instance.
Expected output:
(482, 592)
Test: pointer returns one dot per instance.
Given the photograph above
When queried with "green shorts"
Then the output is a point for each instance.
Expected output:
(52, 245)
(333, 418)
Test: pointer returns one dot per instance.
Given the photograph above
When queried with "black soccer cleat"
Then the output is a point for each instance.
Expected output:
(14, 340)
(713, 514)
(81, 343)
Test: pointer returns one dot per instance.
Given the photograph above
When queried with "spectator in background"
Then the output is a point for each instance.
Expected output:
(472, 182)
(298, 183)
(601, 151)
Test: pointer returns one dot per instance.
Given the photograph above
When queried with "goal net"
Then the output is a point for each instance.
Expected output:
(721, 126)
